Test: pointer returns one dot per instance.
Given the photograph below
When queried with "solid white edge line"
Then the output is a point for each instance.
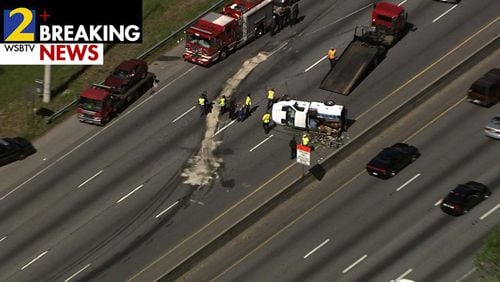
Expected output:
(438, 202)
(130, 193)
(185, 113)
(33, 260)
(76, 273)
(317, 248)
(446, 12)
(404, 274)
(489, 212)
(220, 130)
(97, 133)
(354, 264)
(262, 142)
(467, 274)
(165, 210)
(404, 1)
(92, 177)
(317, 62)
(4, 237)
(407, 182)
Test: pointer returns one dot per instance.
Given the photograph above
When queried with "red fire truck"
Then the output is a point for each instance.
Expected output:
(215, 35)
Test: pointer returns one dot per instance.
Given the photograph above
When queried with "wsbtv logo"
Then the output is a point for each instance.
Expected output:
(19, 25)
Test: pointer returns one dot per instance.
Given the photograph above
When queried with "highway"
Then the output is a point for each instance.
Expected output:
(369, 229)
(119, 199)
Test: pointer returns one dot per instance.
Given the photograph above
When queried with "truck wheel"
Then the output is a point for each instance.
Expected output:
(260, 31)
(329, 103)
(223, 54)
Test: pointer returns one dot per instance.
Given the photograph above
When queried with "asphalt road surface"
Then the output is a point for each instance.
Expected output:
(117, 198)
(369, 229)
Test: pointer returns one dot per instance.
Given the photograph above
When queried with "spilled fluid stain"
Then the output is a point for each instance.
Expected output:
(202, 169)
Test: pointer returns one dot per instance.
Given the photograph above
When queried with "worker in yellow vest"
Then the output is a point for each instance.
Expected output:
(266, 122)
(222, 104)
(305, 140)
(203, 103)
(270, 97)
(248, 105)
(332, 54)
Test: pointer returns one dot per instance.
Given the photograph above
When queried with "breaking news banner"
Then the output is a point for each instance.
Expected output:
(54, 32)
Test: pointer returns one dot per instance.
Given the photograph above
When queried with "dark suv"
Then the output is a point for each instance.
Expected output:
(126, 75)
(464, 197)
(391, 160)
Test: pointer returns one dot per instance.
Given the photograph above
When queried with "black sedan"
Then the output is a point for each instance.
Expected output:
(13, 149)
(464, 197)
(391, 160)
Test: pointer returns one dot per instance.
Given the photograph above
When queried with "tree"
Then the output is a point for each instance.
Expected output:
(487, 260)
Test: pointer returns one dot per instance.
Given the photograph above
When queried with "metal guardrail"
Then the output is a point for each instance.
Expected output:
(144, 55)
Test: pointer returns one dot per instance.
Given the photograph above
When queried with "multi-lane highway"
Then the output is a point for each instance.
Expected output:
(368, 229)
(118, 201)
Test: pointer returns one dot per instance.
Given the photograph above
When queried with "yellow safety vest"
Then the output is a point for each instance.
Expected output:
(266, 118)
(201, 101)
(305, 140)
(270, 95)
(222, 102)
(248, 101)
(331, 54)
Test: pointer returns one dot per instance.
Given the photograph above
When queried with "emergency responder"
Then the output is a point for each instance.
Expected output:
(293, 148)
(203, 103)
(266, 122)
(248, 105)
(332, 53)
(270, 97)
(305, 140)
(222, 104)
(232, 109)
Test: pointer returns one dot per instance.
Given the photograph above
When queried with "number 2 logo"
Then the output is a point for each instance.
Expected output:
(19, 24)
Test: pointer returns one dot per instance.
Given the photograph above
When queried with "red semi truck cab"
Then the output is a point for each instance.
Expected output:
(389, 17)
(95, 105)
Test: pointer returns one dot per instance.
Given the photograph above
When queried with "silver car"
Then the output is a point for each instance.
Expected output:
(492, 129)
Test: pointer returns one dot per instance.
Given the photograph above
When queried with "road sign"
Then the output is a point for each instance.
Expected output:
(304, 155)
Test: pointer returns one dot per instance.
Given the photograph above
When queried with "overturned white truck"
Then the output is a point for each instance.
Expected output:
(324, 121)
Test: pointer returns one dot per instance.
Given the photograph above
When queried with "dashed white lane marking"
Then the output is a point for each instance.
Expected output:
(4, 237)
(317, 62)
(404, 274)
(446, 12)
(438, 202)
(167, 209)
(35, 259)
(262, 142)
(185, 113)
(489, 212)
(197, 202)
(354, 264)
(220, 130)
(402, 2)
(76, 273)
(407, 182)
(130, 193)
(317, 248)
(92, 177)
